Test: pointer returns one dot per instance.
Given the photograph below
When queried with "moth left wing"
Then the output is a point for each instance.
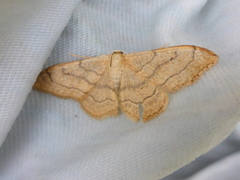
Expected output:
(101, 101)
(86, 81)
(72, 79)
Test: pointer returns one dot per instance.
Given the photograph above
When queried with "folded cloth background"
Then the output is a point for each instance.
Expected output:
(44, 137)
(221, 162)
(228, 168)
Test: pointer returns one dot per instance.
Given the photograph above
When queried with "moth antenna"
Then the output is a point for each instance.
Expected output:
(164, 46)
(80, 56)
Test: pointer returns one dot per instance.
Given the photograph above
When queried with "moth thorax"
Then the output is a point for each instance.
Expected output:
(116, 68)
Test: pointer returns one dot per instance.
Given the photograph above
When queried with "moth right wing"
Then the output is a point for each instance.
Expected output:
(173, 67)
(136, 90)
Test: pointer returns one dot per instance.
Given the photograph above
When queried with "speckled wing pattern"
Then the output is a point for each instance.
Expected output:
(136, 91)
(146, 78)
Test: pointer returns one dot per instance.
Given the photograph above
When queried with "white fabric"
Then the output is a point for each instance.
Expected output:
(52, 138)
(201, 167)
(228, 168)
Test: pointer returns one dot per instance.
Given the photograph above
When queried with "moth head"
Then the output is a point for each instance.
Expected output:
(117, 52)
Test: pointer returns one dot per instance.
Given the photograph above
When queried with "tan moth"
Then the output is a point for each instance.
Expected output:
(106, 83)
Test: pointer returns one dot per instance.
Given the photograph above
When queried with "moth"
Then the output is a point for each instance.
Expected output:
(106, 83)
